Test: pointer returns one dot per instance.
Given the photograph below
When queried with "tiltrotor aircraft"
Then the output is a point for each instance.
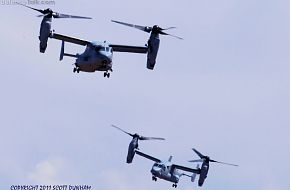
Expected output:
(133, 146)
(205, 166)
(45, 26)
(168, 171)
(98, 55)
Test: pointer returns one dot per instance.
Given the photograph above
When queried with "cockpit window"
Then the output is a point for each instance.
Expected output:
(107, 49)
(100, 48)
(158, 165)
(97, 48)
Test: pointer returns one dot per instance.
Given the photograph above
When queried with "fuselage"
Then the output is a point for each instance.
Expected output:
(163, 171)
(97, 57)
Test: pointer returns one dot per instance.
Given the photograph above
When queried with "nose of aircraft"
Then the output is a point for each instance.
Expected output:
(155, 170)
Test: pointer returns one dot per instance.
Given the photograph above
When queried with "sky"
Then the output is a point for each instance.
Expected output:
(224, 90)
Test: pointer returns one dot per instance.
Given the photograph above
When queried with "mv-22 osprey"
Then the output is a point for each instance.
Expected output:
(98, 55)
(170, 172)
(166, 170)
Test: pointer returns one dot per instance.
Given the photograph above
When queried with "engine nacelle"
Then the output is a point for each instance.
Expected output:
(133, 146)
(203, 173)
(44, 33)
(130, 156)
(153, 46)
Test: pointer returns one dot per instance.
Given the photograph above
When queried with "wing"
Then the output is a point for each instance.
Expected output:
(129, 49)
(69, 39)
(147, 156)
(196, 171)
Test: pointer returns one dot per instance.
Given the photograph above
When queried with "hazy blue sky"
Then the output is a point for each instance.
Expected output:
(224, 90)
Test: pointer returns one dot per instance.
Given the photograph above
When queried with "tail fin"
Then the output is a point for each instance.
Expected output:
(62, 54)
(194, 174)
(193, 177)
(61, 51)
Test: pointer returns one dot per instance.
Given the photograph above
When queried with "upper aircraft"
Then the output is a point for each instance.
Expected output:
(98, 55)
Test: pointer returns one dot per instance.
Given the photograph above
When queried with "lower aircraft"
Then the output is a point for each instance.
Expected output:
(168, 171)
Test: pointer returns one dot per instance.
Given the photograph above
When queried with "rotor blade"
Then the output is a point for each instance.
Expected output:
(39, 10)
(199, 160)
(143, 28)
(60, 15)
(122, 130)
(223, 163)
(169, 28)
(164, 33)
(44, 15)
(151, 138)
(176, 36)
(198, 153)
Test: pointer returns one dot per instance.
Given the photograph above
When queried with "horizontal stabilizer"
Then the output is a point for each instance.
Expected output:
(70, 55)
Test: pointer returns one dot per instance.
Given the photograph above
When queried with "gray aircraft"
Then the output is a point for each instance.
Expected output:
(205, 166)
(45, 26)
(133, 146)
(98, 55)
(168, 171)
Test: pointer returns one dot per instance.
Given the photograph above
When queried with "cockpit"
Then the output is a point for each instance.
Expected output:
(102, 48)
(159, 166)
(99, 48)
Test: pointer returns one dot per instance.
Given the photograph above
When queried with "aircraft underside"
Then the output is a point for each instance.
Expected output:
(166, 178)
(93, 67)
